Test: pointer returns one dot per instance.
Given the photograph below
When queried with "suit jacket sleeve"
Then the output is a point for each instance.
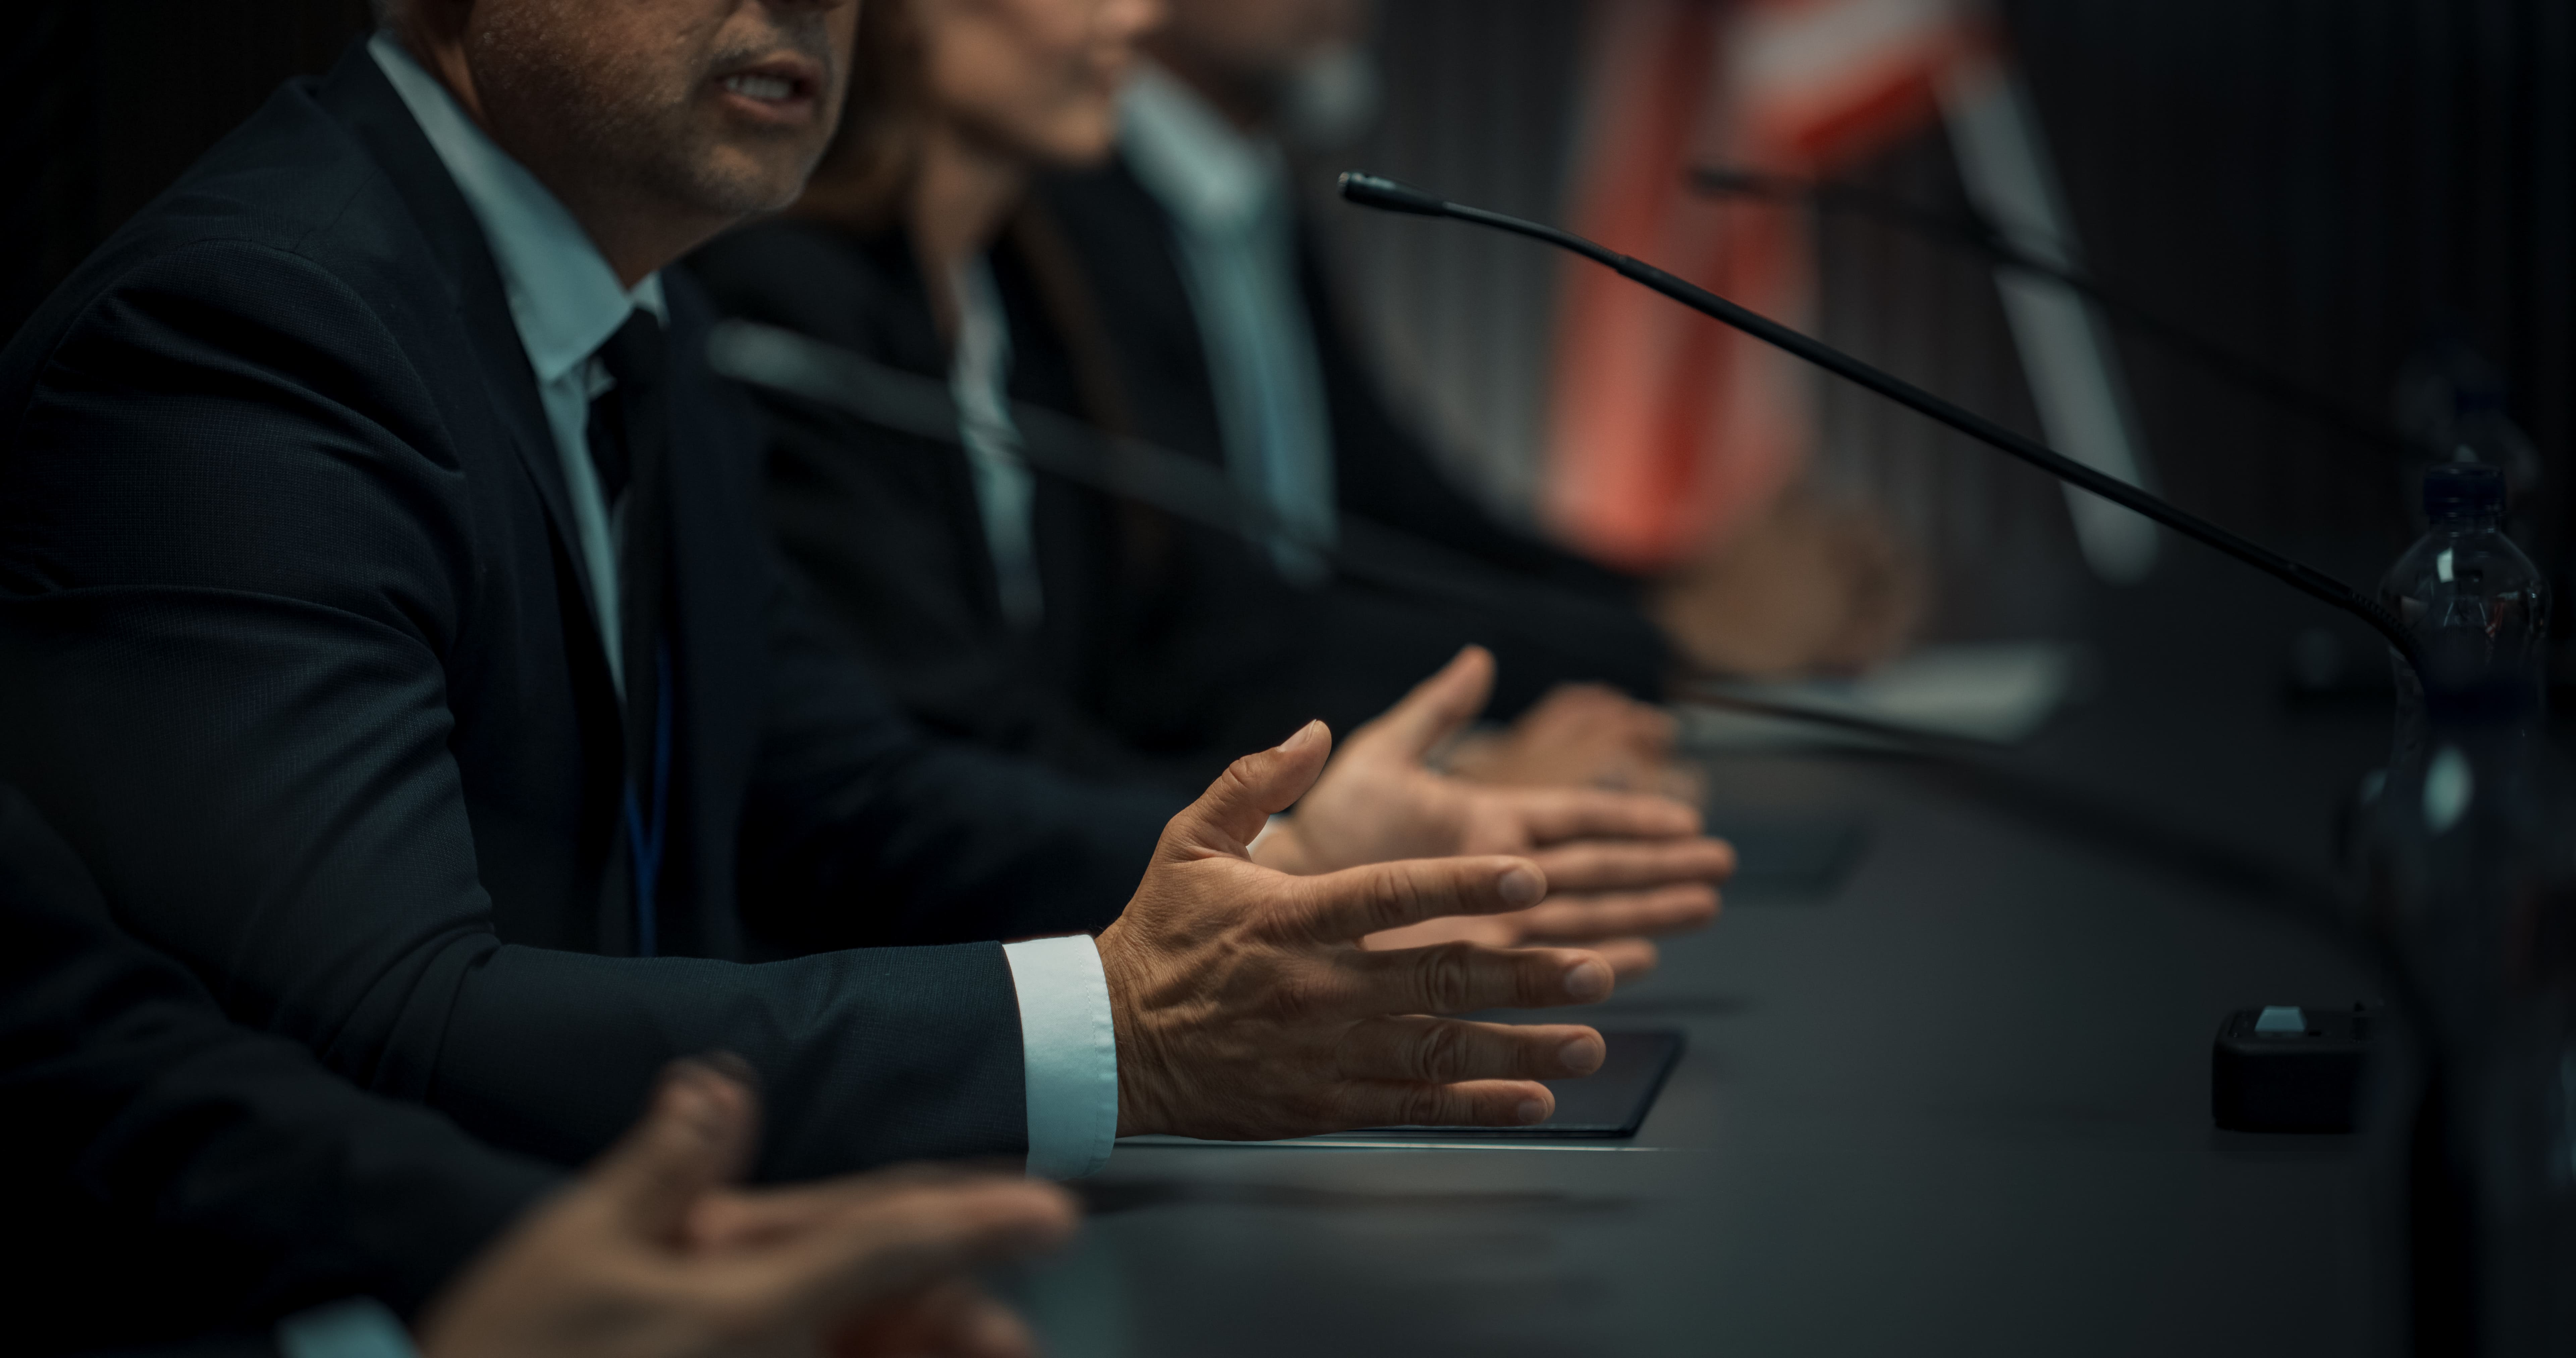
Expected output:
(851, 803)
(236, 551)
(151, 1138)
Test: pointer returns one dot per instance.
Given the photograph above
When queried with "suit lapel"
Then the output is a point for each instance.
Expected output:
(357, 93)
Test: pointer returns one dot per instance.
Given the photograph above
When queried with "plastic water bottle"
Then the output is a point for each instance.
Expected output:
(2474, 602)
(2473, 883)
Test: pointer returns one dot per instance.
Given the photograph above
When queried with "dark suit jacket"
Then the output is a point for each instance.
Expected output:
(170, 1172)
(1361, 646)
(886, 524)
(297, 658)
(1167, 649)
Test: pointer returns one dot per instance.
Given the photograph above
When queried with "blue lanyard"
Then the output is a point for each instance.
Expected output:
(645, 841)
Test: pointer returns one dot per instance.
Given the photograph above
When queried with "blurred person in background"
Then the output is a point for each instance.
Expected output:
(1013, 607)
(1231, 349)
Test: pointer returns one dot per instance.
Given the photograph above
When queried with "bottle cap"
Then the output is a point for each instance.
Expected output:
(2463, 490)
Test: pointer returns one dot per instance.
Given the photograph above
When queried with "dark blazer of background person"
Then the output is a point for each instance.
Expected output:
(170, 1172)
(887, 527)
(296, 658)
(1165, 649)
(1213, 634)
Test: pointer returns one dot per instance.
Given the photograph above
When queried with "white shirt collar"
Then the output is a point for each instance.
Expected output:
(564, 298)
(1206, 171)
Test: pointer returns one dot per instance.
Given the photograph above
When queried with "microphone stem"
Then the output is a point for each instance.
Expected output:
(2299, 576)
(1976, 234)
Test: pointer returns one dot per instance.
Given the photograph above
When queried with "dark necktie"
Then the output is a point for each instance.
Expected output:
(630, 448)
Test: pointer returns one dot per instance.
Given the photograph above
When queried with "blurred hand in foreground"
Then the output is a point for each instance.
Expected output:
(1623, 867)
(652, 1253)
(1245, 1007)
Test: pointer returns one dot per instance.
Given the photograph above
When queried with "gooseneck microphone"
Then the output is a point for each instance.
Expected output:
(1387, 195)
(1061, 445)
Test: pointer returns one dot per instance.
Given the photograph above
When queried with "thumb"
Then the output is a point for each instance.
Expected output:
(1436, 708)
(1250, 791)
(693, 1139)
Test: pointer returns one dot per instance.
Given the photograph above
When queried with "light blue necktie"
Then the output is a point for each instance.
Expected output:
(1261, 357)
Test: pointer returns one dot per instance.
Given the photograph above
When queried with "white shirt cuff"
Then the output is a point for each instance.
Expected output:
(1069, 1053)
(357, 1328)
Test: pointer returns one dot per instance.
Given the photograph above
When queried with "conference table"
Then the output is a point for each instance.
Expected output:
(1947, 1094)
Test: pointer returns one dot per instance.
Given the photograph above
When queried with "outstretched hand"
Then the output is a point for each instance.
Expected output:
(653, 1254)
(1245, 1007)
(1581, 735)
(1625, 867)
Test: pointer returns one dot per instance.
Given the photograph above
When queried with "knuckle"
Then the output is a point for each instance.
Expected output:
(1539, 976)
(1236, 784)
(1446, 979)
(1399, 898)
(1425, 1106)
(1436, 1051)
(1299, 997)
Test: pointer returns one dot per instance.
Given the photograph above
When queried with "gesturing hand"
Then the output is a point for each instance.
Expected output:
(651, 1255)
(1245, 1007)
(1582, 735)
(1624, 866)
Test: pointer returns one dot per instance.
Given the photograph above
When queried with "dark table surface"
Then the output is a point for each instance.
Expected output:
(1956, 1101)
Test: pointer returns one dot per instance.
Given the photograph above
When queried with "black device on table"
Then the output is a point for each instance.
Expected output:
(2291, 1068)
(1608, 1104)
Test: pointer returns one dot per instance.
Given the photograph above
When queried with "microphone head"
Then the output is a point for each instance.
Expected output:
(1387, 195)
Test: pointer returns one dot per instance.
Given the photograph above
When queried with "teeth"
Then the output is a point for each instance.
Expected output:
(767, 87)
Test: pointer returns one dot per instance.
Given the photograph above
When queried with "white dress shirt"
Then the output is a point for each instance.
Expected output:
(1235, 209)
(566, 302)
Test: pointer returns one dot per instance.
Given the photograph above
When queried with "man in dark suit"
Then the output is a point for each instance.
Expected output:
(1229, 348)
(388, 623)
(175, 1177)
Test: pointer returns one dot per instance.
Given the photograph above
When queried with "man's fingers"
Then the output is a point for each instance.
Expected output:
(1250, 791)
(1356, 902)
(1436, 707)
(1413, 1047)
(1458, 978)
(1630, 864)
(1476, 1103)
(1549, 815)
(746, 1217)
(1630, 959)
(691, 1139)
(1499, 931)
(1656, 732)
(1584, 919)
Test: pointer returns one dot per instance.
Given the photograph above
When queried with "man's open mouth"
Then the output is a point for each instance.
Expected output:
(771, 89)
